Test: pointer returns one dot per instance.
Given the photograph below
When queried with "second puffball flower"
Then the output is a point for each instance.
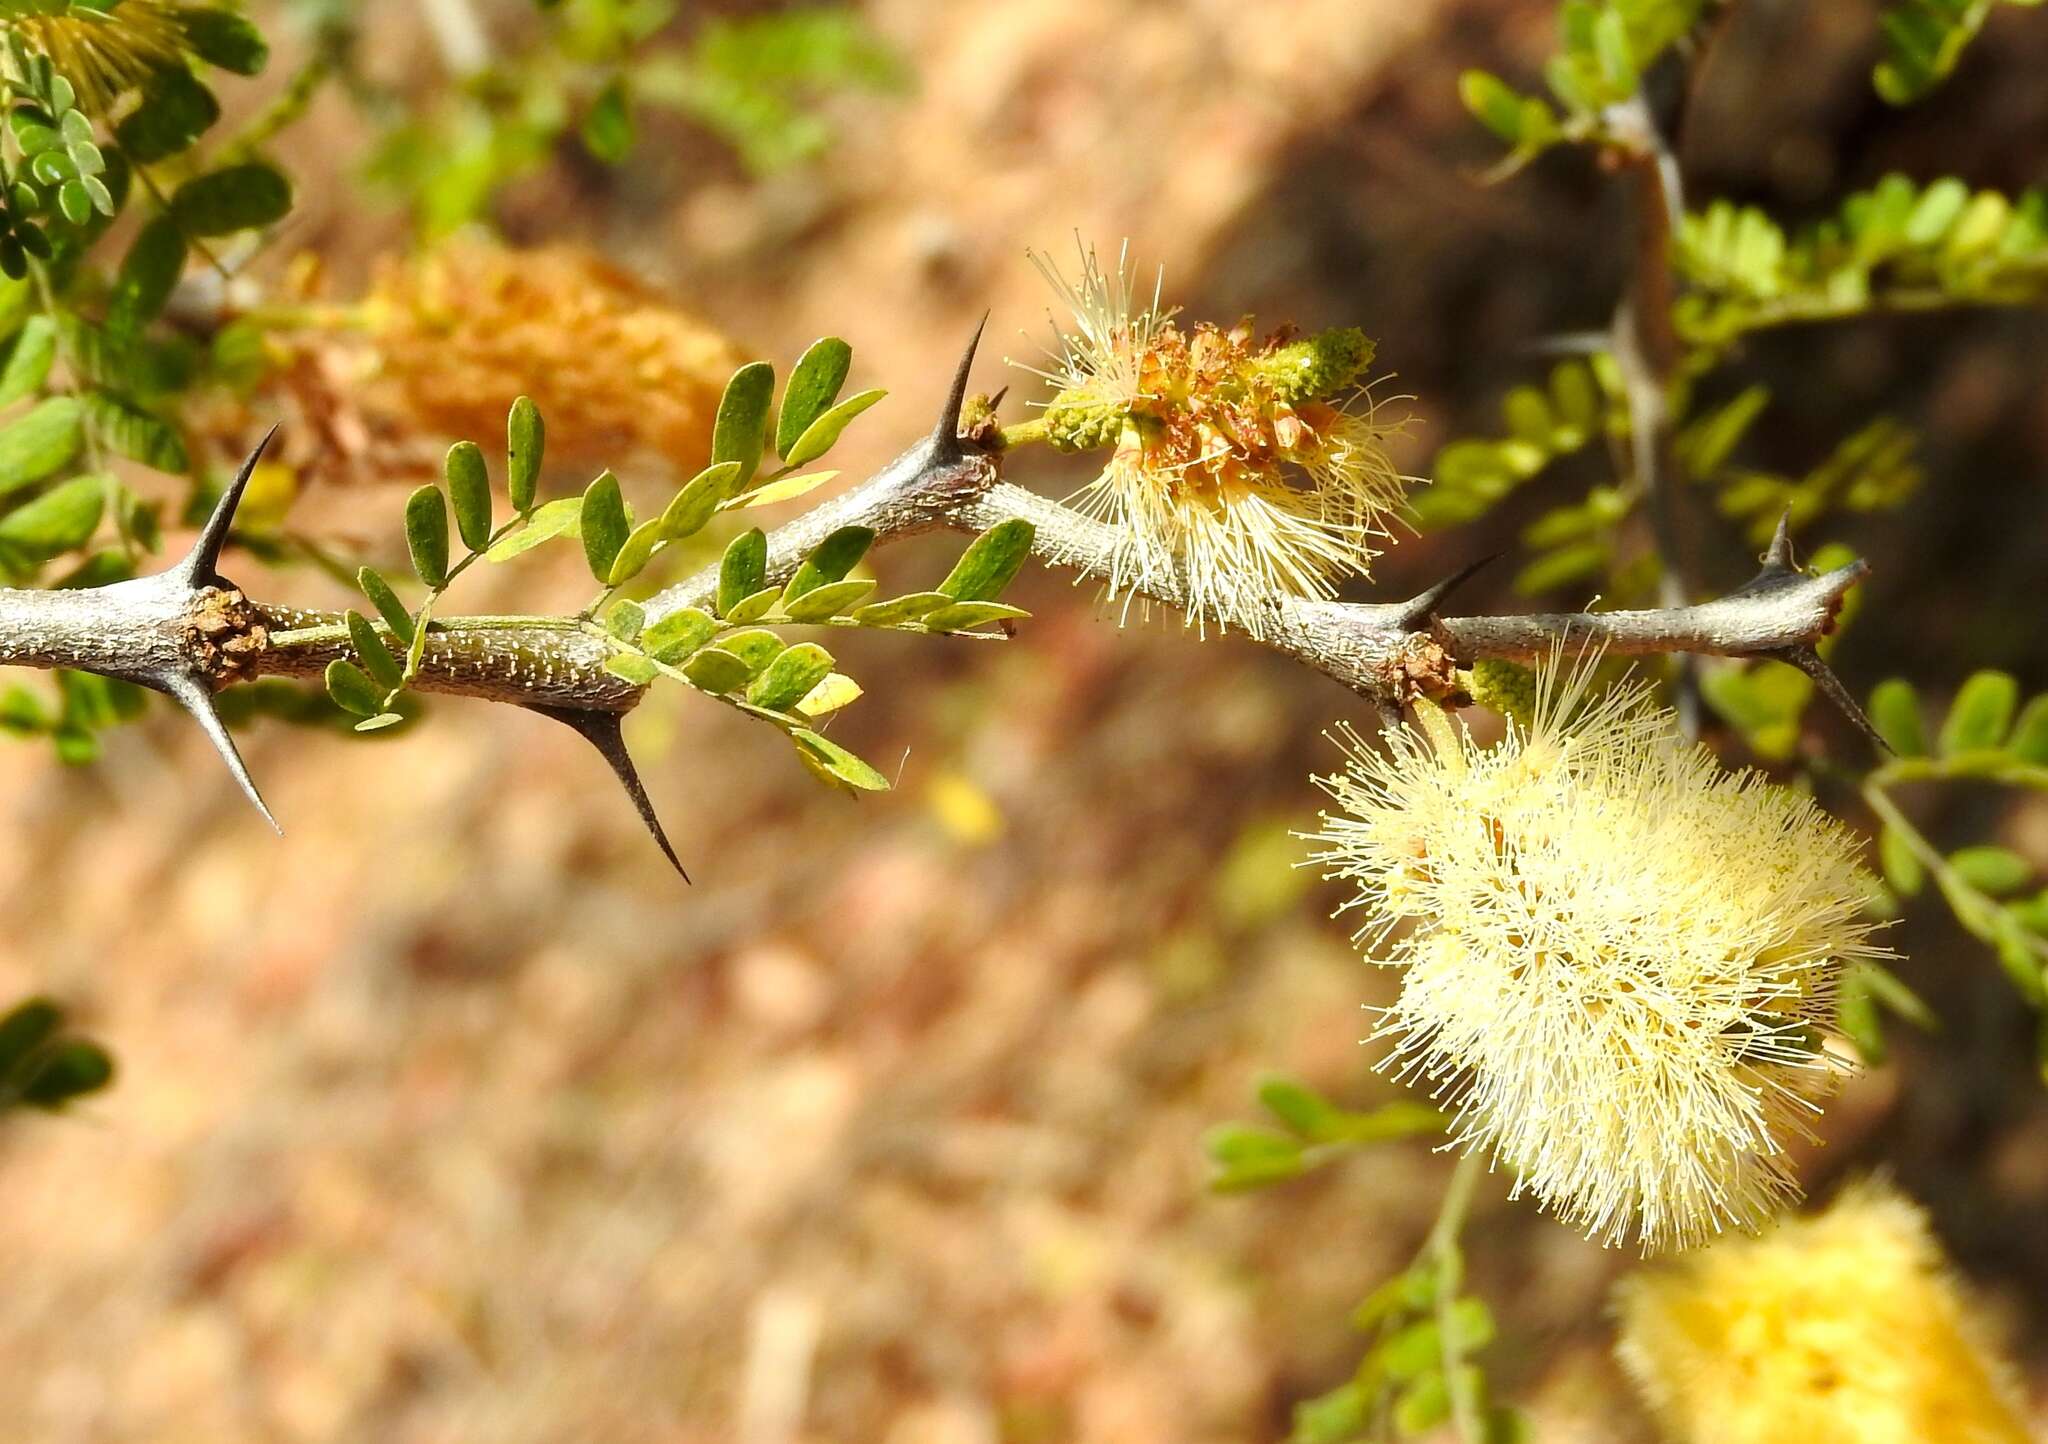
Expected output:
(1618, 960)
(1240, 470)
(1844, 1328)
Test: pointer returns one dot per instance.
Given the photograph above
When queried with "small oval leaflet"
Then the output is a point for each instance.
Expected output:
(426, 535)
(376, 658)
(605, 524)
(678, 634)
(831, 560)
(823, 434)
(828, 600)
(469, 491)
(790, 677)
(353, 691)
(525, 447)
(386, 602)
(752, 609)
(991, 563)
(742, 568)
(813, 387)
(740, 431)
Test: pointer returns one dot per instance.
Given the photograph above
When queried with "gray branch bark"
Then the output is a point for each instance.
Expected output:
(187, 632)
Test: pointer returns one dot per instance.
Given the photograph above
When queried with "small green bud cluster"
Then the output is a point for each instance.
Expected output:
(1506, 687)
(1316, 367)
(1078, 421)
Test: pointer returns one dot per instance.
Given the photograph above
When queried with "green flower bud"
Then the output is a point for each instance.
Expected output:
(1077, 421)
(1316, 367)
(1507, 688)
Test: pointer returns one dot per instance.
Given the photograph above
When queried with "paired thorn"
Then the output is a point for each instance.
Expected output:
(606, 732)
(1808, 660)
(201, 565)
(1418, 610)
(946, 444)
(192, 693)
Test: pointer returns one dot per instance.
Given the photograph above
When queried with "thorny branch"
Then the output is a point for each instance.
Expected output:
(187, 631)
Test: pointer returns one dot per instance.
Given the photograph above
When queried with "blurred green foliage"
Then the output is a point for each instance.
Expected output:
(761, 83)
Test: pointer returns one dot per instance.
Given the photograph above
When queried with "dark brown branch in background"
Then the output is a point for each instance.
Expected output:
(186, 631)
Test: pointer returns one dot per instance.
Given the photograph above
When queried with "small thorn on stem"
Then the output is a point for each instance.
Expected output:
(1779, 557)
(196, 697)
(200, 567)
(1416, 613)
(946, 435)
(1808, 660)
(606, 732)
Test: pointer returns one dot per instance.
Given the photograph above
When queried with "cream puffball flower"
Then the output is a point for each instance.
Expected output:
(1618, 960)
(1240, 470)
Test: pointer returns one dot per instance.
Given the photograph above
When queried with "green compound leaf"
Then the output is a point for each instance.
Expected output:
(961, 616)
(26, 1027)
(635, 554)
(1993, 871)
(137, 434)
(700, 497)
(625, 621)
(1902, 866)
(755, 648)
(832, 692)
(828, 760)
(64, 1072)
(239, 198)
(29, 355)
(678, 634)
(753, 608)
(607, 128)
(898, 611)
(426, 535)
(1895, 712)
(61, 519)
(742, 569)
(717, 671)
(740, 431)
(223, 38)
(631, 667)
(1981, 714)
(790, 677)
(352, 690)
(375, 657)
(605, 524)
(39, 443)
(2030, 734)
(990, 563)
(786, 488)
(1923, 41)
(149, 273)
(831, 560)
(813, 387)
(829, 600)
(1247, 1156)
(525, 446)
(469, 492)
(176, 110)
(823, 434)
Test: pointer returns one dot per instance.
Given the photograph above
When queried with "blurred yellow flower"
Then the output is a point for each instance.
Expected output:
(613, 365)
(1618, 961)
(1844, 1328)
(1204, 427)
(105, 50)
